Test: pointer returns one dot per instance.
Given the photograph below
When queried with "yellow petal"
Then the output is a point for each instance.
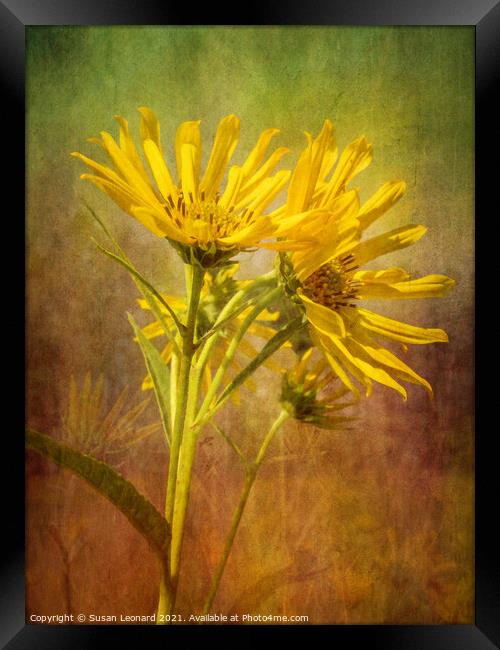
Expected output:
(268, 190)
(299, 183)
(177, 303)
(300, 369)
(153, 330)
(257, 154)
(370, 365)
(430, 286)
(234, 180)
(383, 199)
(163, 229)
(330, 355)
(307, 171)
(105, 172)
(252, 184)
(329, 158)
(159, 169)
(125, 200)
(322, 145)
(286, 224)
(267, 315)
(263, 332)
(389, 276)
(356, 157)
(335, 234)
(387, 243)
(333, 346)
(389, 360)
(225, 142)
(323, 318)
(397, 330)
(128, 147)
(188, 133)
(341, 374)
(188, 174)
(286, 245)
(127, 169)
(260, 229)
(96, 141)
(150, 127)
(127, 204)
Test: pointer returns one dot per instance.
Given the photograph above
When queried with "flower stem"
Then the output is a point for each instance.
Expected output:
(194, 282)
(250, 477)
(194, 285)
(231, 350)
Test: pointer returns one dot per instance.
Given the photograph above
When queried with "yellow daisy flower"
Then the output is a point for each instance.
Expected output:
(217, 289)
(326, 279)
(194, 212)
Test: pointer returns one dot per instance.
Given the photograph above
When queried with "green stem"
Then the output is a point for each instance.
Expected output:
(250, 477)
(194, 280)
(232, 307)
(231, 350)
(174, 373)
(165, 601)
(194, 285)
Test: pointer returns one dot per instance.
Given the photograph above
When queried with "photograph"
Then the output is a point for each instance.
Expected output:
(250, 299)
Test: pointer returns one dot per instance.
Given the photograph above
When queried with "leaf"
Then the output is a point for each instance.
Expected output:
(147, 294)
(232, 444)
(141, 513)
(135, 274)
(159, 373)
(270, 347)
(220, 324)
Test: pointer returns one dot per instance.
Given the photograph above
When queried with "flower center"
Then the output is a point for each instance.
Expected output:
(332, 285)
(205, 219)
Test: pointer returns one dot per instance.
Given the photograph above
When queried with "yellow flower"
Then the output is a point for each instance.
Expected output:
(217, 289)
(326, 279)
(309, 394)
(194, 213)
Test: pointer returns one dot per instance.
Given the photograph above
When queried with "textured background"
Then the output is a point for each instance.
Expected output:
(374, 526)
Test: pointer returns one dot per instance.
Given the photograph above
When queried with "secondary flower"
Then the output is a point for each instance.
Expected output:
(193, 211)
(326, 278)
(217, 289)
(310, 395)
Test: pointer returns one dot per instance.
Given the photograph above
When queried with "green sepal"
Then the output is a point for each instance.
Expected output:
(287, 278)
(206, 258)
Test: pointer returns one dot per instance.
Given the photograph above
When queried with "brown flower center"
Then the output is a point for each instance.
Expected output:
(332, 285)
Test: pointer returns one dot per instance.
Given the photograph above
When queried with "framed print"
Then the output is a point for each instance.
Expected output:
(251, 272)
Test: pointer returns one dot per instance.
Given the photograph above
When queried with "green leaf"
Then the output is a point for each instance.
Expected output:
(222, 323)
(236, 448)
(135, 273)
(159, 373)
(139, 281)
(113, 486)
(270, 348)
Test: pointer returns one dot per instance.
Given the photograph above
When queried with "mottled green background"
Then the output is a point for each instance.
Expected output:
(370, 526)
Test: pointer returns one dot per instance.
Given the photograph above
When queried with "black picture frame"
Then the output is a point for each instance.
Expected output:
(15, 15)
